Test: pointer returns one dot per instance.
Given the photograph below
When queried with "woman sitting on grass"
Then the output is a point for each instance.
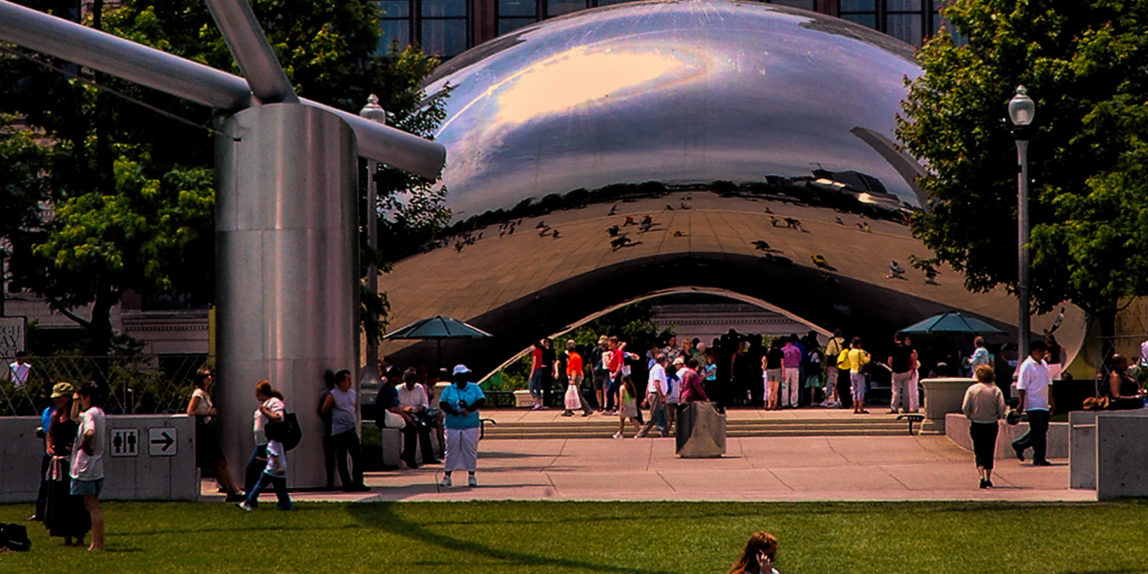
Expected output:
(758, 556)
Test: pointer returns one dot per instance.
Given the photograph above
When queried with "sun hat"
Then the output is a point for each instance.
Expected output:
(62, 390)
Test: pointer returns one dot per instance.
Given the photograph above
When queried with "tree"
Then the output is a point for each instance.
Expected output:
(129, 169)
(1082, 62)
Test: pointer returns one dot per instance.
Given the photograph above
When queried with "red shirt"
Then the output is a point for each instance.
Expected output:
(615, 363)
(573, 364)
(536, 358)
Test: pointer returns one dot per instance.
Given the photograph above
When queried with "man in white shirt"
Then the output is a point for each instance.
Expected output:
(1032, 386)
(19, 370)
(656, 390)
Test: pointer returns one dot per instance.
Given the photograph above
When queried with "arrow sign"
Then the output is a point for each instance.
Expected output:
(161, 442)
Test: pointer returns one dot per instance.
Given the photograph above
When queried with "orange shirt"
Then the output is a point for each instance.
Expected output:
(573, 364)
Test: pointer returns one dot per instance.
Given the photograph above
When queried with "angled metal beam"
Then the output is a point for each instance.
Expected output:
(195, 82)
(252, 51)
(122, 58)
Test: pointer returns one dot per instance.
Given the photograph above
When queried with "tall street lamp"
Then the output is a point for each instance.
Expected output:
(374, 112)
(1021, 110)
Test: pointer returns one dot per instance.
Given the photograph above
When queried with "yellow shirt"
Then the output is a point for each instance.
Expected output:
(857, 359)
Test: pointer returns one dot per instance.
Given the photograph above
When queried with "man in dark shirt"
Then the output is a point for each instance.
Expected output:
(902, 362)
(387, 401)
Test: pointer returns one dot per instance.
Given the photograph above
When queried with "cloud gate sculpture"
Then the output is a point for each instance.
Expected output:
(660, 146)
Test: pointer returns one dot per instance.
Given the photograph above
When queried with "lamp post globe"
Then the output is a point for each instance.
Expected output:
(1021, 110)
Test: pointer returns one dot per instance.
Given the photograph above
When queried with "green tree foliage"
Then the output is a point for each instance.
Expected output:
(1083, 64)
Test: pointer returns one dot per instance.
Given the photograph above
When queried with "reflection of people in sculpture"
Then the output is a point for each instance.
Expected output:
(619, 242)
(895, 271)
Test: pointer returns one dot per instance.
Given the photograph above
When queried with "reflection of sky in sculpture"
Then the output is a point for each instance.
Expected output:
(691, 91)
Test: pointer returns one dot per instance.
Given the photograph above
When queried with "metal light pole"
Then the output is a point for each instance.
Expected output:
(375, 113)
(1021, 110)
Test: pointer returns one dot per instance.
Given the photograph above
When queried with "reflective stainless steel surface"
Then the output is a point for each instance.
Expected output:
(252, 51)
(673, 91)
(288, 275)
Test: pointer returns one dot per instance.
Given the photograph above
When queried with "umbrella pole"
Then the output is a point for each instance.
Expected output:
(439, 365)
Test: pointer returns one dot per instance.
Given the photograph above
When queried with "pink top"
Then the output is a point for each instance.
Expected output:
(692, 389)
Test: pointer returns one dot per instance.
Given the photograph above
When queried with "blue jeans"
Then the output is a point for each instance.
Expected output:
(536, 384)
(254, 467)
(612, 393)
(280, 485)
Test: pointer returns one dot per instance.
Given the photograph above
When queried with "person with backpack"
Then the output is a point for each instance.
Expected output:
(271, 409)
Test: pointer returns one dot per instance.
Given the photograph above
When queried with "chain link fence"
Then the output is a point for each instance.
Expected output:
(144, 384)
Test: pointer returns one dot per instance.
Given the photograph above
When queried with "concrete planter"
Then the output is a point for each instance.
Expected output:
(522, 399)
(942, 396)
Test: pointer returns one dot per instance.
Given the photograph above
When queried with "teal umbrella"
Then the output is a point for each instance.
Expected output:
(951, 322)
(438, 328)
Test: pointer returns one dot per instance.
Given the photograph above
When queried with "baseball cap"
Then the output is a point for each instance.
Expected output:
(62, 390)
(460, 368)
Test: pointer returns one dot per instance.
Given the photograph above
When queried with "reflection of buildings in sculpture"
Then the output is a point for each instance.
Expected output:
(689, 94)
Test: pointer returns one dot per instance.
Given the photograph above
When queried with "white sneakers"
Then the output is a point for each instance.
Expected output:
(446, 482)
(617, 435)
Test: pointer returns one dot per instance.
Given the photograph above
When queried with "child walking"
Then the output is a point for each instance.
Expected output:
(275, 474)
(628, 406)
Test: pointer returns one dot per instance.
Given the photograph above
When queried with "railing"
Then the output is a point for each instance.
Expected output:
(143, 384)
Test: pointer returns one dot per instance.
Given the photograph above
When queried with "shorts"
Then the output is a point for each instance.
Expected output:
(598, 380)
(87, 487)
(773, 375)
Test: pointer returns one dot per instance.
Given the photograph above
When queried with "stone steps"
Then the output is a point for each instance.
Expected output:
(603, 427)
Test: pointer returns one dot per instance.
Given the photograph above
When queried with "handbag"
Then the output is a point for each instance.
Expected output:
(572, 401)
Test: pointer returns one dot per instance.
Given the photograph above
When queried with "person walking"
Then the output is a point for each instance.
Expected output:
(574, 378)
(627, 406)
(833, 350)
(461, 402)
(87, 472)
(1034, 399)
(537, 374)
(984, 405)
(901, 361)
(791, 373)
(274, 472)
(271, 409)
(342, 405)
(656, 390)
(857, 359)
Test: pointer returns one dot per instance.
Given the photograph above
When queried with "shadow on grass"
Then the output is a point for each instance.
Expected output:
(381, 517)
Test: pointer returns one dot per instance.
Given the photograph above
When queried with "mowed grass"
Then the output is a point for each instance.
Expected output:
(606, 537)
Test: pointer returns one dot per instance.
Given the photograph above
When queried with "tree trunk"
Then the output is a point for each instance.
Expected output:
(1107, 323)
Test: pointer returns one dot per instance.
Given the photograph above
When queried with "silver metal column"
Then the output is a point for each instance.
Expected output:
(1022, 240)
(287, 262)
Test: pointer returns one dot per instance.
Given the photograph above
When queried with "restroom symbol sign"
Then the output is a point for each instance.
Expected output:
(125, 442)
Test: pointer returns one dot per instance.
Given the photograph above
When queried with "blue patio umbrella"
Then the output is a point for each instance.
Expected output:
(438, 328)
(951, 322)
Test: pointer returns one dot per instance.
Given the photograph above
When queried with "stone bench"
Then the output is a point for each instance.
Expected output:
(1108, 452)
(957, 429)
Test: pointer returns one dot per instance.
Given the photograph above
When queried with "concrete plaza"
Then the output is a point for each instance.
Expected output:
(826, 467)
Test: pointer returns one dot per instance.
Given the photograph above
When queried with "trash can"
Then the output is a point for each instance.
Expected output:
(701, 431)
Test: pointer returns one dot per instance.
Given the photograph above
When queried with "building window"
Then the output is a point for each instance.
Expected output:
(863, 12)
(905, 19)
(439, 26)
(803, 4)
(514, 14)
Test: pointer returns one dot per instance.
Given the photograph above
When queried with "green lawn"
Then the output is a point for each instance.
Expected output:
(607, 537)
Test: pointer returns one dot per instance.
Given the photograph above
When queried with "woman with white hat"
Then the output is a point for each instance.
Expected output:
(461, 401)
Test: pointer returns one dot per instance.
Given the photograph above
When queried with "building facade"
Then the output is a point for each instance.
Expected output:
(449, 27)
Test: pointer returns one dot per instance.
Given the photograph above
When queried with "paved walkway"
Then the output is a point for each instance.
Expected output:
(820, 468)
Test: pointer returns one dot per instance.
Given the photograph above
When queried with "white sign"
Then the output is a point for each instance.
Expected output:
(125, 442)
(161, 442)
(12, 336)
